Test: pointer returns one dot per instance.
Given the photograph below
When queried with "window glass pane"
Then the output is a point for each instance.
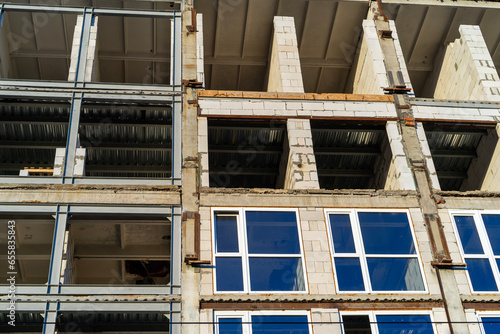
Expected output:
(229, 274)
(272, 232)
(276, 274)
(226, 234)
(404, 324)
(399, 274)
(280, 324)
(230, 326)
(356, 324)
(492, 224)
(491, 325)
(481, 275)
(386, 233)
(468, 235)
(349, 274)
(343, 241)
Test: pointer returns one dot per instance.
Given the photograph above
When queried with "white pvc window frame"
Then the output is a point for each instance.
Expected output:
(246, 318)
(360, 250)
(372, 316)
(485, 243)
(485, 315)
(239, 213)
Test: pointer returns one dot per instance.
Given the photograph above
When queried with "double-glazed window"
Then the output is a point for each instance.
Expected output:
(479, 236)
(257, 250)
(490, 322)
(387, 323)
(374, 251)
(264, 322)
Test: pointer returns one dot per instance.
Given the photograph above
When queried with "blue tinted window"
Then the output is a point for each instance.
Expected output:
(230, 326)
(349, 274)
(343, 241)
(404, 324)
(386, 233)
(468, 235)
(229, 274)
(395, 274)
(276, 274)
(272, 233)
(280, 324)
(481, 275)
(492, 224)
(491, 325)
(226, 234)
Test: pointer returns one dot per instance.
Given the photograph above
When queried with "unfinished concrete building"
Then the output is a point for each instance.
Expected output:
(250, 166)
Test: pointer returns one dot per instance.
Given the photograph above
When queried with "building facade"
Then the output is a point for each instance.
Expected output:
(250, 166)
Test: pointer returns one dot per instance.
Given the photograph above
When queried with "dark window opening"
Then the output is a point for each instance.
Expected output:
(246, 154)
(461, 154)
(351, 155)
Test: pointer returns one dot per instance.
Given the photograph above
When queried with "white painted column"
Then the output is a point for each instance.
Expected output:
(400, 176)
(200, 56)
(92, 66)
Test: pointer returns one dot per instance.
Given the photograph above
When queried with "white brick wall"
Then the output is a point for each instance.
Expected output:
(370, 77)
(200, 63)
(91, 68)
(400, 176)
(285, 74)
(436, 112)
(468, 57)
(294, 108)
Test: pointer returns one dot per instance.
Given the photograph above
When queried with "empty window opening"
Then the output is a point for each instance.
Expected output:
(126, 141)
(351, 155)
(462, 155)
(36, 45)
(133, 50)
(30, 132)
(34, 235)
(387, 322)
(245, 153)
(118, 250)
(103, 322)
(25, 323)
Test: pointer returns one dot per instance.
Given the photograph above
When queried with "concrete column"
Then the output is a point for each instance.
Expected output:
(426, 152)
(301, 172)
(200, 51)
(91, 65)
(399, 176)
(298, 167)
(371, 74)
(326, 321)
(59, 161)
(203, 151)
(190, 315)
(468, 72)
(79, 169)
(285, 74)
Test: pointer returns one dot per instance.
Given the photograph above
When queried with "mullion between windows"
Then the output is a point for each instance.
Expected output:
(362, 259)
(488, 250)
(244, 249)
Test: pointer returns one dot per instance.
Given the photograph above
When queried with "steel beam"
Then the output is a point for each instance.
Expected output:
(175, 251)
(72, 139)
(176, 79)
(57, 251)
(97, 11)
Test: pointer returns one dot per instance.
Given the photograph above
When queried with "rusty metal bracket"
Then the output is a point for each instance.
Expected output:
(409, 121)
(194, 259)
(192, 101)
(398, 89)
(385, 33)
(192, 27)
(192, 83)
(447, 264)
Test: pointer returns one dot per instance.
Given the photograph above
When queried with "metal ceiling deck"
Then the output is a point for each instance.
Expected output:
(245, 155)
(346, 156)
